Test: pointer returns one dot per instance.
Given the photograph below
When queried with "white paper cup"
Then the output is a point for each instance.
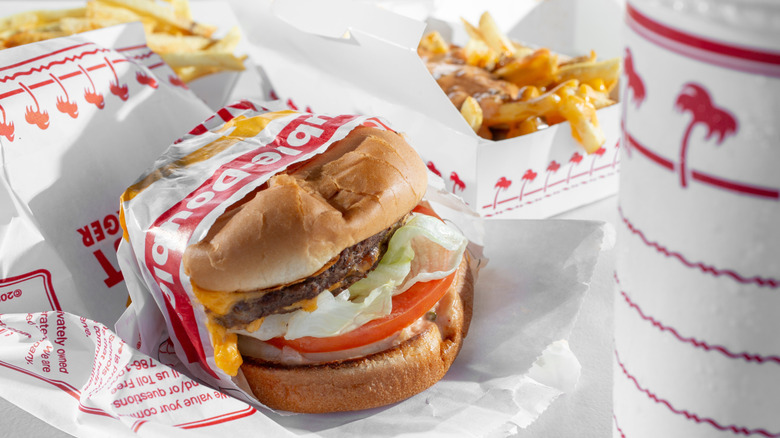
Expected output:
(697, 351)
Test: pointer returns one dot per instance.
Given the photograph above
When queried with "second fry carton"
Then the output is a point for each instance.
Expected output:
(80, 117)
(360, 58)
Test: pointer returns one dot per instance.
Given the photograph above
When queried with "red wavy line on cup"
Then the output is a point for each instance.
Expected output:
(52, 63)
(707, 269)
(749, 357)
(614, 418)
(737, 430)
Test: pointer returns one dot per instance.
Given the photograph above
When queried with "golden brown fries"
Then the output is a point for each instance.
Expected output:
(472, 112)
(520, 89)
(188, 47)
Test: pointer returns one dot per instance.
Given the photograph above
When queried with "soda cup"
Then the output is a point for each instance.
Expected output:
(697, 323)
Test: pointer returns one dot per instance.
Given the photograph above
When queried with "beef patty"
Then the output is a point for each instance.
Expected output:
(352, 264)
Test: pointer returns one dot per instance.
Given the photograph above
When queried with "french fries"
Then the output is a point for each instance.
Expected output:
(472, 112)
(548, 88)
(188, 47)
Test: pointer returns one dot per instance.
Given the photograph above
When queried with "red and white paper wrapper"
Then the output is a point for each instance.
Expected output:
(697, 351)
(166, 214)
(80, 118)
(355, 57)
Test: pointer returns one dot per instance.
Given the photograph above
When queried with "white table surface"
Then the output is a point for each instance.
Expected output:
(584, 413)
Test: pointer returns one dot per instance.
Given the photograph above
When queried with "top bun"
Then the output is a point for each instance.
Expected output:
(290, 230)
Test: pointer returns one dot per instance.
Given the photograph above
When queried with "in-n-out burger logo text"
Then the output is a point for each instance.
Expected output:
(98, 231)
(170, 233)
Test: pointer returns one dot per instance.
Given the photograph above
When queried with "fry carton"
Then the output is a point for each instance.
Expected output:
(79, 118)
(358, 58)
(216, 81)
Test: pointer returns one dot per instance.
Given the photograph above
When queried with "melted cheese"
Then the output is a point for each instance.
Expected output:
(226, 355)
(221, 302)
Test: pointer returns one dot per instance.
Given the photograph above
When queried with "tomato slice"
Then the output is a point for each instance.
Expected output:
(425, 209)
(407, 308)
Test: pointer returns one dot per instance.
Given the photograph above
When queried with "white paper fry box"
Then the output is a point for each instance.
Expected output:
(79, 118)
(697, 352)
(216, 90)
(348, 57)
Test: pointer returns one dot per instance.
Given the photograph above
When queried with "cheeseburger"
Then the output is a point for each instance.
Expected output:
(331, 287)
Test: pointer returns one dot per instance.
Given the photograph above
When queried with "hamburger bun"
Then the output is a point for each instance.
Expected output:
(376, 380)
(304, 218)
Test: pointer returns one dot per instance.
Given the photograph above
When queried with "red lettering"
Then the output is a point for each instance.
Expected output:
(86, 237)
(111, 224)
(114, 275)
(98, 230)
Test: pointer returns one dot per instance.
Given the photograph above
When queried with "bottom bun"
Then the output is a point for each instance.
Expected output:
(376, 380)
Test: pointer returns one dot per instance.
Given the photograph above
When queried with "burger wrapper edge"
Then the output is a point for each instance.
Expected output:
(177, 201)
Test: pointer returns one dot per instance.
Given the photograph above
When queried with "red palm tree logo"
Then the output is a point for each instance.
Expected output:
(433, 168)
(145, 79)
(92, 96)
(65, 106)
(457, 183)
(176, 81)
(573, 161)
(596, 154)
(696, 99)
(116, 89)
(502, 184)
(617, 153)
(529, 175)
(6, 127)
(633, 81)
(551, 168)
(35, 116)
